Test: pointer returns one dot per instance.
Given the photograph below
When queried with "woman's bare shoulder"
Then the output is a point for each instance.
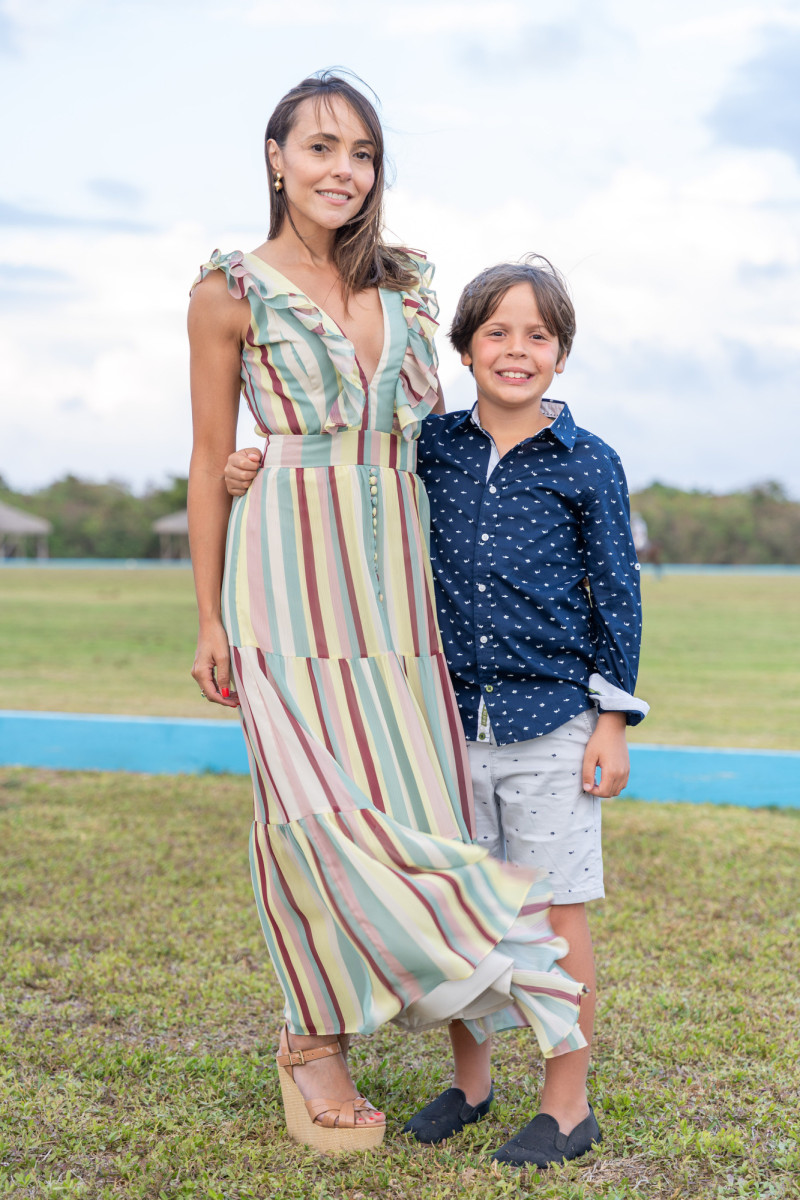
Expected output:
(212, 305)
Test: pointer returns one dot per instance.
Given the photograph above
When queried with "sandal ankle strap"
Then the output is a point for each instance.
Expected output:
(298, 1058)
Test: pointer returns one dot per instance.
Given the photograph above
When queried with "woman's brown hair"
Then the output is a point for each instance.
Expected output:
(360, 254)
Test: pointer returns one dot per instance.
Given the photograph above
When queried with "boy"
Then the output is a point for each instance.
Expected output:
(538, 604)
(525, 509)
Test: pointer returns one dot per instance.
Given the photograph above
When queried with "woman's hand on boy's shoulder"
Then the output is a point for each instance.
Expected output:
(241, 469)
(607, 749)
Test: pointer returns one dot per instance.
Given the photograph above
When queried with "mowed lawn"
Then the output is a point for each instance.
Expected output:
(720, 661)
(138, 1013)
(102, 641)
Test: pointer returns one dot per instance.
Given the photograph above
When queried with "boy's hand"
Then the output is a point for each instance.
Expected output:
(608, 750)
(241, 469)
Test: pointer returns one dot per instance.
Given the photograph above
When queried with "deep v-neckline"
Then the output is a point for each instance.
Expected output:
(298, 291)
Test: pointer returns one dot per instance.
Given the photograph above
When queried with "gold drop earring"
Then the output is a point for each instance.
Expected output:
(278, 185)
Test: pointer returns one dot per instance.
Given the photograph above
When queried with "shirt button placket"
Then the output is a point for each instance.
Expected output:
(482, 601)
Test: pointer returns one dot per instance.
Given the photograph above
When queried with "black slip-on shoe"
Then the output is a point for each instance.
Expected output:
(446, 1116)
(540, 1143)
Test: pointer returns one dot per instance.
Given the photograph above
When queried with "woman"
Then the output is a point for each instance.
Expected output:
(374, 903)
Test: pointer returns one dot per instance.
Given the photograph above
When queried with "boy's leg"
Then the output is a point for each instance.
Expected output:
(530, 807)
(513, 805)
(551, 823)
(466, 1101)
(564, 1091)
(472, 1068)
(472, 1062)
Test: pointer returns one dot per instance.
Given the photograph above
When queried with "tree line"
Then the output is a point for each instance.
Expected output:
(99, 520)
(758, 525)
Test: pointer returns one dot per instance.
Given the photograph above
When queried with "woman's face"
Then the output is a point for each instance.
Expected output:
(327, 164)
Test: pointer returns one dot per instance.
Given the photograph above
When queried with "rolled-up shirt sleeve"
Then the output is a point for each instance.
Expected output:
(612, 569)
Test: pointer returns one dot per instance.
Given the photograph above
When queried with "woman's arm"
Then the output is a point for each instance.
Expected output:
(216, 328)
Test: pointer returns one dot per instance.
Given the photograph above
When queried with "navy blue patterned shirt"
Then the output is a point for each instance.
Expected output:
(510, 554)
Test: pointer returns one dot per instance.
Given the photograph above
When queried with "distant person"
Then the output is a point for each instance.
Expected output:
(315, 599)
(639, 532)
(648, 551)
(526, 509)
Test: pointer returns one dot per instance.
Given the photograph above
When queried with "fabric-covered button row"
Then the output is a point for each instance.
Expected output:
(373, 492)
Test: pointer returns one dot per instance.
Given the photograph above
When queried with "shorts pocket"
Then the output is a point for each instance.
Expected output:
(588, 721)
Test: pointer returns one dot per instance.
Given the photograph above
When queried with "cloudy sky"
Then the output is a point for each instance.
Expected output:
(651, 150)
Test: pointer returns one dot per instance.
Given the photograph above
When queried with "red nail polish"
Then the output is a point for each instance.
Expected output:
(225, 693)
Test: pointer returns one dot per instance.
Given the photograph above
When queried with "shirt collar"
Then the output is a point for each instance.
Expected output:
(563, 427)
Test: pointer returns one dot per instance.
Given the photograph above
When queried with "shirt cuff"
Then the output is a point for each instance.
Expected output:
(609, 698)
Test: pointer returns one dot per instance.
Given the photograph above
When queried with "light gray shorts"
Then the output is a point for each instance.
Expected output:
(531, 809)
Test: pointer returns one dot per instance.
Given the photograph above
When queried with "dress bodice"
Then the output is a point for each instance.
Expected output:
(300, 373)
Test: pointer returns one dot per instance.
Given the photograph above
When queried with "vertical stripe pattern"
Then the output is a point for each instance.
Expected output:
(369, 889)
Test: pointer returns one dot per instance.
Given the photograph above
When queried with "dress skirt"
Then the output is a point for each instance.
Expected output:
(374, 902)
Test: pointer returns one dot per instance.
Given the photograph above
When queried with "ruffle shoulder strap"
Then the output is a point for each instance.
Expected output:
(418, 383)
(239, 280)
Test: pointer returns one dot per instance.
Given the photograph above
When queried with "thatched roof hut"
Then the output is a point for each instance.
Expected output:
(173, 534)
(17, 527)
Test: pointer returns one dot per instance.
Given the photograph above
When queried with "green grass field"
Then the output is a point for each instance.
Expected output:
(116, 641)
(138, 1013)
(138, 1010)
(720, 660)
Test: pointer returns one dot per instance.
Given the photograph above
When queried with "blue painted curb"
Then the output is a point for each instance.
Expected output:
(152, 745)
(165, 746)
(705, 775)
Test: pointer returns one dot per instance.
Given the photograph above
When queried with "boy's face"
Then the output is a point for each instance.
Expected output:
(512, 355)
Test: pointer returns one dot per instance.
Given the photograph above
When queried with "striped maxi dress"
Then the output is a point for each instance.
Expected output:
(374, 902)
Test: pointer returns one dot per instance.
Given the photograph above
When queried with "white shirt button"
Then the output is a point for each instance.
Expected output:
(484, 537)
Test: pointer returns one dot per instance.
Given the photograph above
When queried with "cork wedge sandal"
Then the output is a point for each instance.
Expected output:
(327, 1126)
